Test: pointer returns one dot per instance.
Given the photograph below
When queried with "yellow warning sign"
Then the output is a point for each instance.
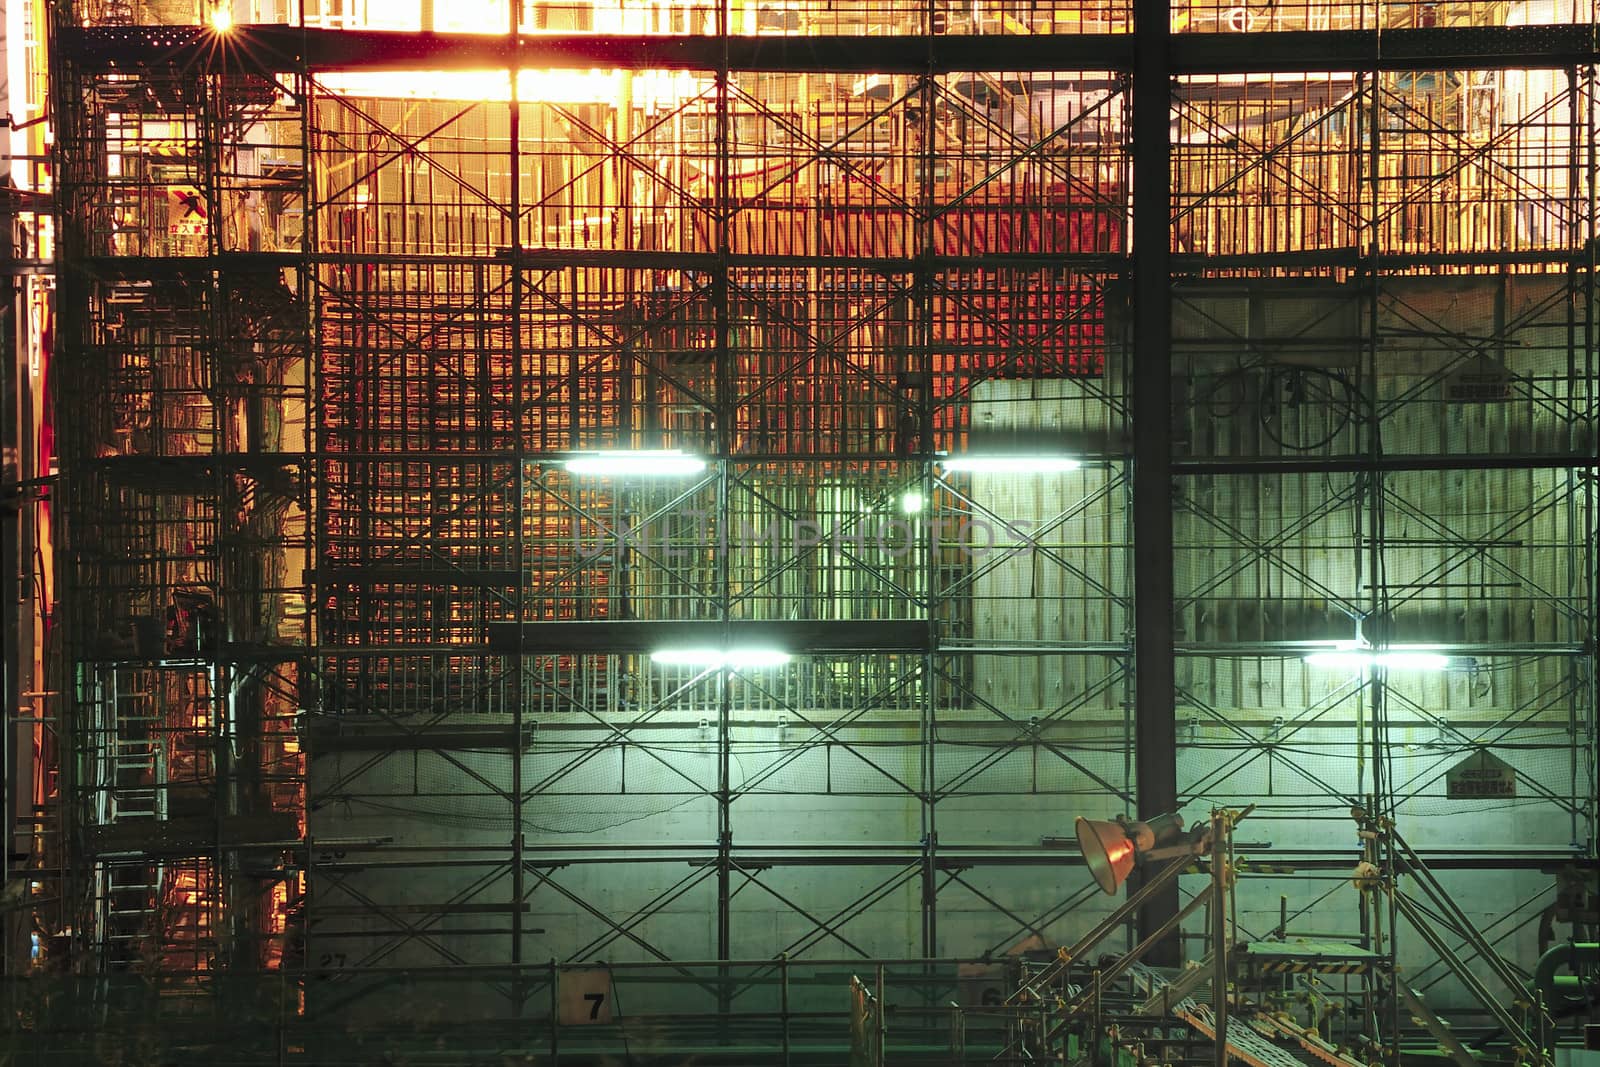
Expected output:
(186, 211)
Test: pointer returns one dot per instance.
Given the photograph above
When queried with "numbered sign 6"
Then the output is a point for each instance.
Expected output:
(584, 995)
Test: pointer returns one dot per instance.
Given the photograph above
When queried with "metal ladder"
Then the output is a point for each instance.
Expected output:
(134, 781)
(135, 757)
(131, 894)
(132, 770)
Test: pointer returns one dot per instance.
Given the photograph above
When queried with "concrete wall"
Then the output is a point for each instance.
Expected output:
(1023, 742)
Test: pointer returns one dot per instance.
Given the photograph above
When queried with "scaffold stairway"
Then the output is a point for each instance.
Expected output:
(130, 907)
(135, 770)
(1252, 1039)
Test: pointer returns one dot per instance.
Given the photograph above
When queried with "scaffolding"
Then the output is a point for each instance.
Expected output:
(185, 408)
(357, 674)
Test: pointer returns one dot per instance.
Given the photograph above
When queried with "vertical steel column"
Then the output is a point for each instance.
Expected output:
(1155, 733)
(14, 806)
(725, 417)
(1376, 627)
(1591, 423)
(1221, 928)
(921, 367)
(230, 914)
(724, 795)
(518, 687)
(1577, 435)
(307, 674)
(1361, 149)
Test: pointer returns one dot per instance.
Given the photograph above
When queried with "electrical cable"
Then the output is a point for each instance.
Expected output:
(1232, 407)
(1269, 403)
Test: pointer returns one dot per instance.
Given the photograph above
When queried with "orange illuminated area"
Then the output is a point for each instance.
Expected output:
(609, 17)
(646, 89)
(37, 749)
(800, 17)
(189, 908)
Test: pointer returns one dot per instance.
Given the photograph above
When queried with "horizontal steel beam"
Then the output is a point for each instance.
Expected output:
(1271, 861)
(1440, 48)
(324, 911)
(878, 636)
(193, 835)
(1265, 859)
(322, 742)
(148, 472)
(267, 49)
(148, 268)
(1300, 648)
(1356, 259)
(263, 49)
(1387, 462)
(824, 637)
(463, 577)
(269, 264)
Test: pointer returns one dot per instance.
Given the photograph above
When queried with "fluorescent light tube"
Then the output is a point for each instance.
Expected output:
(738, 659)
(645, 463)
(1018, 464)
(1360, 659)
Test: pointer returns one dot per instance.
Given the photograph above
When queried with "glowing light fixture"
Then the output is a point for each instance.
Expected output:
(1361, 658)
(643, 463)
(1112, 848)
(912, 502)
(656, 89)
(738, 659)
(221, 17)
(981, 463)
